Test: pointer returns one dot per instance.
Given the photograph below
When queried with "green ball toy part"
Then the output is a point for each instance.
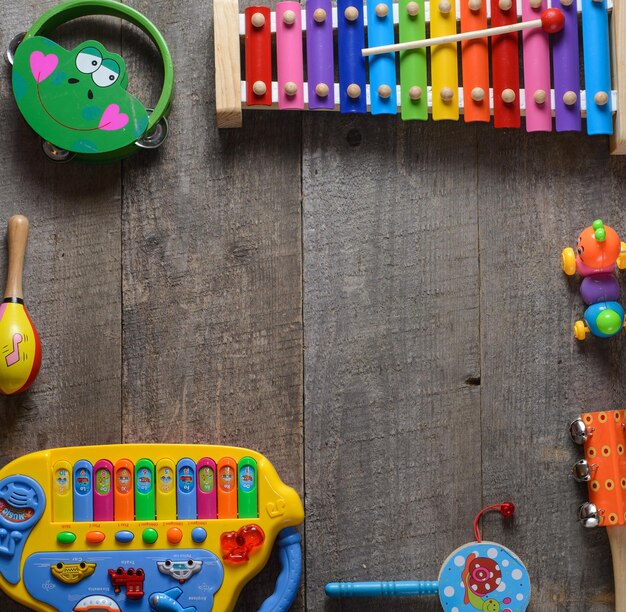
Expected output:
(609, 322)
(599, 231)
(77, 100)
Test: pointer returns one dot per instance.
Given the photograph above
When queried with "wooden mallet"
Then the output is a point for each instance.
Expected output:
(552, 21)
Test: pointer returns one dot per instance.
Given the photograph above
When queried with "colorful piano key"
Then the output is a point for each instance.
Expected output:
(227, 488)
(83, 491)
(165, 490)
(207, 488)
(62, 506)
(103, 491)
(145, 508)
(247, 488)
(124, 491)
(186, 489)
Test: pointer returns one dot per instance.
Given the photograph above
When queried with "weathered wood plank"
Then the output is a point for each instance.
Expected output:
(212, 269)
(536, 193)
(392, 356)
(75, 229)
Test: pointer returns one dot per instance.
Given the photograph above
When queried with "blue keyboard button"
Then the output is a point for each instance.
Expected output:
(124, 536)
(198, 535)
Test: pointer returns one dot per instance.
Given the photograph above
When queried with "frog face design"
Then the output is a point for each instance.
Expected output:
(77, 100)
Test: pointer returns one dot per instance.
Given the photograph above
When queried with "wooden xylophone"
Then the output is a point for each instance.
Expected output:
(531, 74)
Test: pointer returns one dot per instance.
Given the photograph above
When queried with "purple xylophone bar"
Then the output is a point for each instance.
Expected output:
(567, 71)
(319, 53)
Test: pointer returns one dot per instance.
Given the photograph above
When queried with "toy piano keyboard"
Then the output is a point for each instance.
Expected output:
(155, 528)
(560, 104)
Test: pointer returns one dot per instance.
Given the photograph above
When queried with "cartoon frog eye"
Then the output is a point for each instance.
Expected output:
(106, 74)
(89, 60)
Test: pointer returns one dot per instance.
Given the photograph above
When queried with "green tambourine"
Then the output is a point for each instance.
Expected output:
(77, 100)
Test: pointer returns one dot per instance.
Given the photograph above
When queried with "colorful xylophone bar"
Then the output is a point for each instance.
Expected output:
(307, 58)
(147, 491)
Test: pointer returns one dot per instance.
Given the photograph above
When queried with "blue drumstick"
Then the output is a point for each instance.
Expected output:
(406, 588)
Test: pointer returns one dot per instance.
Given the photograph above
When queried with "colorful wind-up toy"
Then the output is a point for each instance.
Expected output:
(598, 251)
(477, 576)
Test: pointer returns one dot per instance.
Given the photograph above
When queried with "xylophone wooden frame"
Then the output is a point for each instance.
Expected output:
(228, 81)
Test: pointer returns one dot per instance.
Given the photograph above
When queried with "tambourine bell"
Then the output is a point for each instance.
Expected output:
(588, 515)
(12, 48)
(56, 154)
(578, 431)
(581, 471)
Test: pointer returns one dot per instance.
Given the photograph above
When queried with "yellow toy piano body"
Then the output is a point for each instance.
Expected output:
(155, 528)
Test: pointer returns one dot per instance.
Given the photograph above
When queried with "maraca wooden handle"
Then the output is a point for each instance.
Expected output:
(617, 538)
(17, 237)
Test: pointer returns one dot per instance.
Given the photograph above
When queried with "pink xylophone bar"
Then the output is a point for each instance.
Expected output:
(302, 48)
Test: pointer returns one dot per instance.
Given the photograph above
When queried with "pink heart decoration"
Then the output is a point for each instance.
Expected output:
(112, 119)
(42, 66)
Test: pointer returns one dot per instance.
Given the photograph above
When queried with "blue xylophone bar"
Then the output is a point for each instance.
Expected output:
(351, 39)
(407, 588)
(382, 67)
(597, 54)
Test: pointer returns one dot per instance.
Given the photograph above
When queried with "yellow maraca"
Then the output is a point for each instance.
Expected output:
(20, 349)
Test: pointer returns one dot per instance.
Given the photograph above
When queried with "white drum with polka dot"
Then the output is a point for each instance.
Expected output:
(484, 576)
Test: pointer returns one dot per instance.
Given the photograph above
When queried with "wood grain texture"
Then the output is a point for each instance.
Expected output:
(392, 353)
(17, 239)
(440, 370)
(227, 63)
(617, 539)
(536, 194)
(74, 239)
(212, 307)
(618, 49)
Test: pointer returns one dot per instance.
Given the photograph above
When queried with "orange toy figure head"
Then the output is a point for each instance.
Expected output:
(20, 349)
(598, 246)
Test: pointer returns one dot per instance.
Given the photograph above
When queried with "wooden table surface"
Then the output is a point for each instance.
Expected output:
(376, 306)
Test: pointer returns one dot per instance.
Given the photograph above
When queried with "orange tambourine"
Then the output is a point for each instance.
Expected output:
(603, 435)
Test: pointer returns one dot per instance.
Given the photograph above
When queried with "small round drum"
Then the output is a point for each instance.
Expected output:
(484, 576)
